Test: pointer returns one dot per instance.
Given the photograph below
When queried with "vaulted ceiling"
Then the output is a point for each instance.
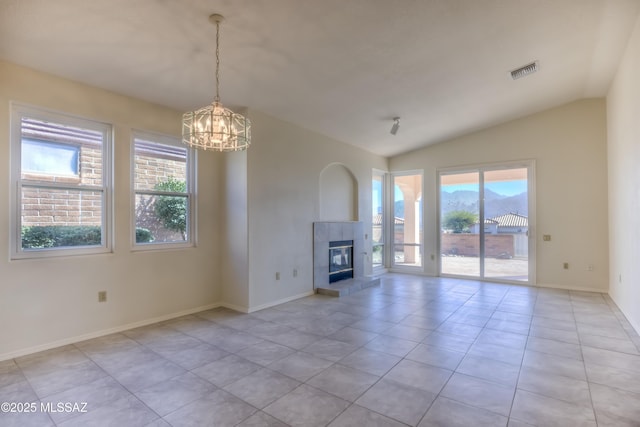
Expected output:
(343, 68)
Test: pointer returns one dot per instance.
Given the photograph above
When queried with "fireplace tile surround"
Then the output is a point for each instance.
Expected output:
(330, 231)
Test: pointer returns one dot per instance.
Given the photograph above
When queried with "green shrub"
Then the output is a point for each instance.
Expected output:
(459, 221)
(172, 210)
(37, 237)
(143, 235)
(53, 236)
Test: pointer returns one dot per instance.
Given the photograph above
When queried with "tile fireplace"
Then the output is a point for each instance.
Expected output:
(339, 257)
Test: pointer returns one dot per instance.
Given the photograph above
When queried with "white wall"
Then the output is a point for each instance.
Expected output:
(623, 119)
(285, 164)
(47, 302)
(569, 146)
(234, 239)
(338, 194)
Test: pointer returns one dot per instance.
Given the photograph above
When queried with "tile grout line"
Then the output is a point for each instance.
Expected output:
(586, 373)
(515, 391)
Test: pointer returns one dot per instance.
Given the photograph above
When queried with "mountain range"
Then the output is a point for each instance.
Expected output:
(463, 200)
(494, 204)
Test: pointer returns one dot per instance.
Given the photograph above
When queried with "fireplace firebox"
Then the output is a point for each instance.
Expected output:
(340, 260)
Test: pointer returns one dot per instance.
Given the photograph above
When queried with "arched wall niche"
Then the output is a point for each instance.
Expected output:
(338, 194)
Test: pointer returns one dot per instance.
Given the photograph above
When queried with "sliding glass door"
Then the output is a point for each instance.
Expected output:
(506, 231)
(485, 222)
(459, 214)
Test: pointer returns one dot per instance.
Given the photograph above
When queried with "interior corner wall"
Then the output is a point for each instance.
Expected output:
(284, 167)
(49, 302)
(623, 120)
(234, 234)
(568, 144)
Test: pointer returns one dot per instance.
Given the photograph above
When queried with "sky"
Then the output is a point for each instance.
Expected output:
(505, 188)
(377, 189)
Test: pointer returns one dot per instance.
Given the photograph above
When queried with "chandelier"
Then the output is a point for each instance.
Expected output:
(215, 127)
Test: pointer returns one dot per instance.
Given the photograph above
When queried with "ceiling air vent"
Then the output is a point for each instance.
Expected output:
(524, 71)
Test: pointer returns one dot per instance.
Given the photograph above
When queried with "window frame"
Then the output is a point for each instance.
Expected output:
(401, 267)
(20, 111)
(384, 182)
(190, 194)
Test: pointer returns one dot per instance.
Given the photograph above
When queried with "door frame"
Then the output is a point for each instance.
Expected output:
(393, 267)
(384, 180)
(530, 165)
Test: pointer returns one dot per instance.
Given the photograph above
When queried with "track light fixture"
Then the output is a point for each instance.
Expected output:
(396, 125)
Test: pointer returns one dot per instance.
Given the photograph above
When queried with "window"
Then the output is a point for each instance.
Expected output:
(163, 184)
(407, 219)
(51, 158)
(60, 169)
(378, 228)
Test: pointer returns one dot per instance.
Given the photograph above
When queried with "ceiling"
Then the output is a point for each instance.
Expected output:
(343, 68)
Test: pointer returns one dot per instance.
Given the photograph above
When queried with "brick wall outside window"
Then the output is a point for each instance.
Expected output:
(151, 170)
(43, 206)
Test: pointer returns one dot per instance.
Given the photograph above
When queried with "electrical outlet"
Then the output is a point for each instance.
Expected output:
(102, 296)
(590, 267)
(546, 237)
(295, 272)
(278, 276)
(565, 265)
(433, 257)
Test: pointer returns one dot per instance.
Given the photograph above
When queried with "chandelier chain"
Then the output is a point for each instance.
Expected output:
(217, 98)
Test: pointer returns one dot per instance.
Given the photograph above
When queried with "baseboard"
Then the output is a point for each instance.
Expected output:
(488, 280)
(240, 308)
(97, 334)
(281, 301)
(571, 288)
(414, 271)
(613, 301)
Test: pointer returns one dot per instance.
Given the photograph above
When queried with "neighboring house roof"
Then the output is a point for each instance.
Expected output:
(377, 220)
(508, 220)
(511, 220)
(488, 221)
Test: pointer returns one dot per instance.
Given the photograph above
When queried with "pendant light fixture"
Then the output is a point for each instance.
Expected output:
(214, 127)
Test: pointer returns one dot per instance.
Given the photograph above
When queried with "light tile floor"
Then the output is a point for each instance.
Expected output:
(415, 351)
